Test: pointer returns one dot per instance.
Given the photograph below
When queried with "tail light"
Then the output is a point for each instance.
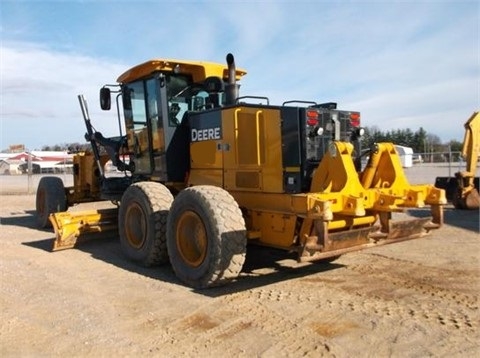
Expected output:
(355, 119)
(312, 117)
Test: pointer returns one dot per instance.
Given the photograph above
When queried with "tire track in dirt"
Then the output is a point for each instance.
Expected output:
(429, 282)
(229, 316)
(435, 297)
(385, 292)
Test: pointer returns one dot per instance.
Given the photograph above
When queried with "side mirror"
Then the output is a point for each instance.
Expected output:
(105, 99)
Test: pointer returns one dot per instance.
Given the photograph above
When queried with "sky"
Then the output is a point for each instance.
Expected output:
(402, 64)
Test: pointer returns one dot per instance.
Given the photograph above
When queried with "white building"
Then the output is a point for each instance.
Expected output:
(406, 155)
(42, 162)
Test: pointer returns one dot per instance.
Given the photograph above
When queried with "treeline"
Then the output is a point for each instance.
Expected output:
(420, 141)
(72, 147)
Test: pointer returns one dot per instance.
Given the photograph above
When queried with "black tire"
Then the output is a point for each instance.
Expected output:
(50, 198)
(142, 219)
(206, 237)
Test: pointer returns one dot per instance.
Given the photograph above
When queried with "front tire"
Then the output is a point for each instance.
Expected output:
(206, 237)
(50, 198)
(142, 219)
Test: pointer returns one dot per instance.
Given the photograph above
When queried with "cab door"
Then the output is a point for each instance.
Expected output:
(138, 124)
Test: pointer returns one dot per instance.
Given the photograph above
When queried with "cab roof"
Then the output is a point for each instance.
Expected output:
(199, 70)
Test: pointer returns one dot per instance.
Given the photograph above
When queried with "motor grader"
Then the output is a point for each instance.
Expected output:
(206, 171)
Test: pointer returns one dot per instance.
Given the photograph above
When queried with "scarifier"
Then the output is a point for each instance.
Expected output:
(205, 171)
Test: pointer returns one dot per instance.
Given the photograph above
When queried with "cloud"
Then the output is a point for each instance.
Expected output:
(401, 64)
(39, 91)
(440, 108)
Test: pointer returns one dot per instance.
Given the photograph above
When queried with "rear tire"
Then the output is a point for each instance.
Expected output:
(50, 198)
(206, 237)
(142, 219)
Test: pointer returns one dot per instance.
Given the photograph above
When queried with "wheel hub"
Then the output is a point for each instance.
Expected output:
(135, 225)
(191, 238)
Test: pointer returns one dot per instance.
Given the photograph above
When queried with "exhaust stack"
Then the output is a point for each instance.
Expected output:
(232, 88)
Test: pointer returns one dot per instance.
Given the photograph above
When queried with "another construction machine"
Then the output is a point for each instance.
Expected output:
(206, 171)
(462, 189)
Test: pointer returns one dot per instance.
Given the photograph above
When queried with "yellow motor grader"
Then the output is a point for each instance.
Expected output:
(206, 171)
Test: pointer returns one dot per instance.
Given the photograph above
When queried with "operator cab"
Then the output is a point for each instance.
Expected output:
(155, 97)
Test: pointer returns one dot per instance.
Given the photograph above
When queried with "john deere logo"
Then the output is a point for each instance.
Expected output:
(199, 135)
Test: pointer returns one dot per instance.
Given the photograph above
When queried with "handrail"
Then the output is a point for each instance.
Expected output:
(253, 97)
(300, 101)
(235, 129)
(257, 124)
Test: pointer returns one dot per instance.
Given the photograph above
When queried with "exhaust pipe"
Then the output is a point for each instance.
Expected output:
(231, 89)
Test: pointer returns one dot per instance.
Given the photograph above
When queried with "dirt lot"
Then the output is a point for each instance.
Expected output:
(412, 299)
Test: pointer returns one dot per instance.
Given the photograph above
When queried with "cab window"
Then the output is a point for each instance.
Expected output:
(183, 95)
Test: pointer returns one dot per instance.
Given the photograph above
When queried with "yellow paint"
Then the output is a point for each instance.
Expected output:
(253, 139)
(198, 69)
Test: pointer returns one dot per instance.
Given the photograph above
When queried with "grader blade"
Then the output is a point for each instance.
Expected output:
(73, 227)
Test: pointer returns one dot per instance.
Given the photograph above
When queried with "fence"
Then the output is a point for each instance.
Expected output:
(427, 166)
(27, 184)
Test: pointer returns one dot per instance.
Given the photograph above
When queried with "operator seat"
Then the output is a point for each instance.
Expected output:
(214, 85)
